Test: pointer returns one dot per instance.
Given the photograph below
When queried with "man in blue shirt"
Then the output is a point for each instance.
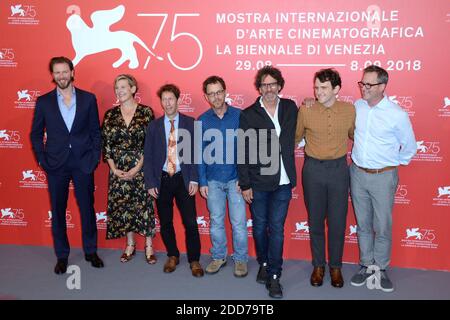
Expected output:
(218, 177)
(69, 117)
(384, 139)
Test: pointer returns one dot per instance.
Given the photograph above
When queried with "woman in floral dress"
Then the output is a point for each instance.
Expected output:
(130, 208)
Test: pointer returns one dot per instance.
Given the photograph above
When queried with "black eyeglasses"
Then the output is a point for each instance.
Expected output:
(214, 94)
(272, 85)
(368, 85)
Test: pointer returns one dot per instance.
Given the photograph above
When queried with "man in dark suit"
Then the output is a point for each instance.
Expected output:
(170, 173)
(69, 116)
(267, 172)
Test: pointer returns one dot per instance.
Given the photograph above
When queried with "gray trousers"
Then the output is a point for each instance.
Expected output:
(325, 188)
(373, 199)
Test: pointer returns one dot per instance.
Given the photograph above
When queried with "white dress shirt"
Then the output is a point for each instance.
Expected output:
(284, 179)
(383, 135)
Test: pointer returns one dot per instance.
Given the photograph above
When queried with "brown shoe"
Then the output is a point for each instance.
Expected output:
(317, 276)
(197, 270)
(171, 264)
(336, 277)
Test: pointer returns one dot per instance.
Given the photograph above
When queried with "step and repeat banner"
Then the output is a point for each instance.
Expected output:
(184, 42)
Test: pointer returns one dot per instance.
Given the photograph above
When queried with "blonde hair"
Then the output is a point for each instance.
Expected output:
(131, 81)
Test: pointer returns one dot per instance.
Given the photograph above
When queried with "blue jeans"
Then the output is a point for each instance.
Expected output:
(218, 192)
(269, 210)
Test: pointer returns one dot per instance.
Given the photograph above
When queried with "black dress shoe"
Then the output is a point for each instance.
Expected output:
(274, 287)
(95, 260)
(61, 266)
(262, 275)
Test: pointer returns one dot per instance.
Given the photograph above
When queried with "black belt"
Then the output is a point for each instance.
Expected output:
(165, 174)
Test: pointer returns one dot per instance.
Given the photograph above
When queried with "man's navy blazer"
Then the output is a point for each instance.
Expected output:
(155, 152)
(84, 138)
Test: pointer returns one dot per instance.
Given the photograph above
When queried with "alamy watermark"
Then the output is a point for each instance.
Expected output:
(236, 146)
(74, 280)
(374, 281)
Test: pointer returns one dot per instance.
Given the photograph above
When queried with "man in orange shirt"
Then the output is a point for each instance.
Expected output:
(326, 126)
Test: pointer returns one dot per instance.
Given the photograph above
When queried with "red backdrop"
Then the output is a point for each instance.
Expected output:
(186, 41)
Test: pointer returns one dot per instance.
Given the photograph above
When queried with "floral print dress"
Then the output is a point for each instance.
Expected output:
(130, 208)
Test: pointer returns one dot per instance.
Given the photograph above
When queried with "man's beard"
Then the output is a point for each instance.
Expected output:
(271, 97)
(64, 86)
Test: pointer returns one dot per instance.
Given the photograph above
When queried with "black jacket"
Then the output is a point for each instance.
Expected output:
(255, 117)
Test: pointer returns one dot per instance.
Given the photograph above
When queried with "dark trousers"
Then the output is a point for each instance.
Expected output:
(325, 188)
(173, 187)
(269, 210)
(58, 185)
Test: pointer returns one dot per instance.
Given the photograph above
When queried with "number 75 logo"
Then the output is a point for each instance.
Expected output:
(175, 35)
(7, 54)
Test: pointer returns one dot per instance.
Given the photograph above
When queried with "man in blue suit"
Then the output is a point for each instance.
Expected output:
(69, 116)
(172, 174)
